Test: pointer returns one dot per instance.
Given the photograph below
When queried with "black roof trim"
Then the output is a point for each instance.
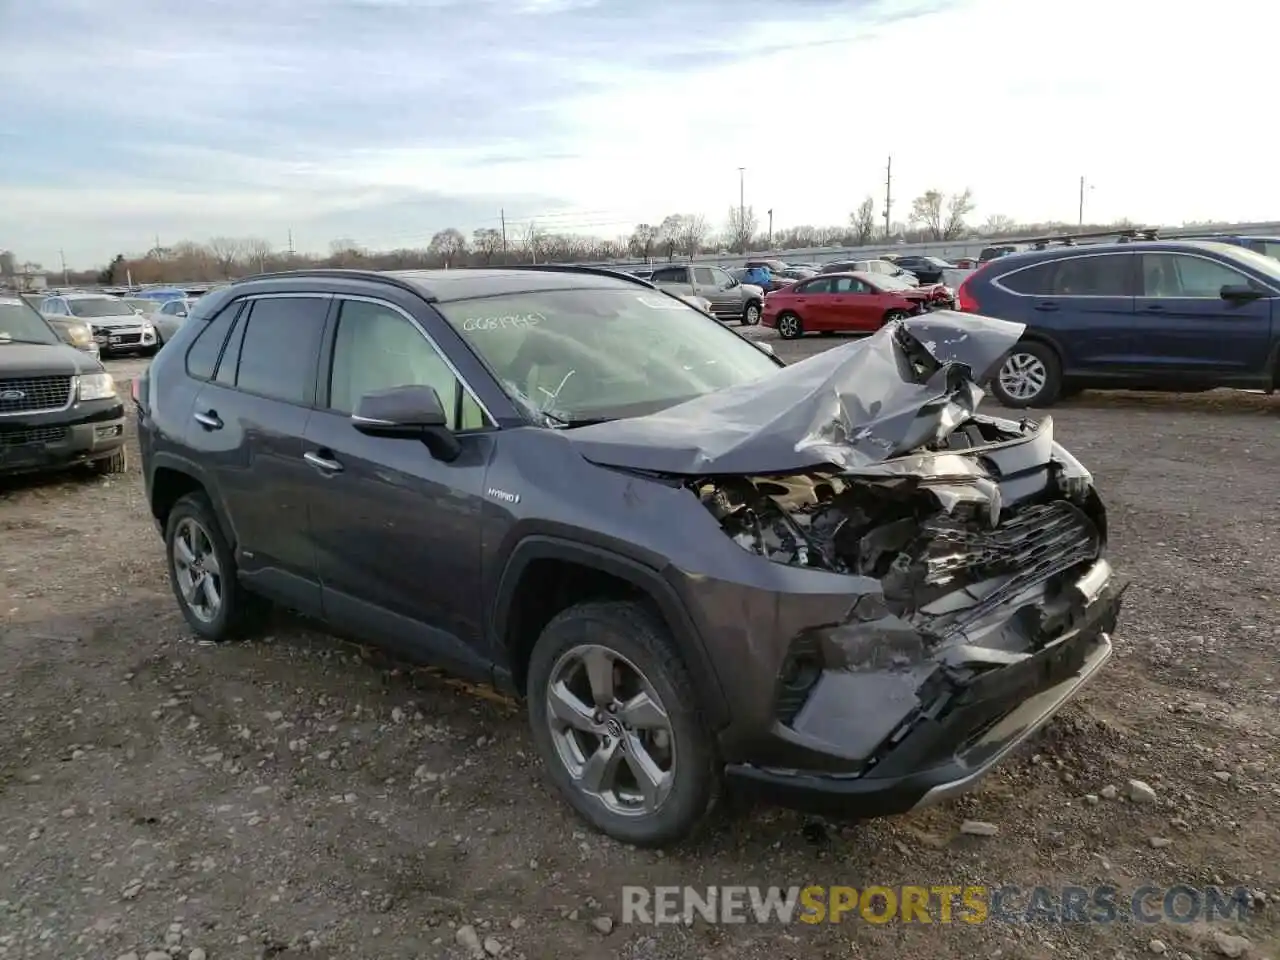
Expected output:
(577, 268)
(333, 273)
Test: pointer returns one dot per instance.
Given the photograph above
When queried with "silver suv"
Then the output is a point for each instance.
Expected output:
(730, 298)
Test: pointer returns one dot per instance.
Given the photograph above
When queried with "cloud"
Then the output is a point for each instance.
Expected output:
(386, 120)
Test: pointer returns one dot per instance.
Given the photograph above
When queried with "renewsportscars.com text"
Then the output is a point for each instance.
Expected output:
(939, 903)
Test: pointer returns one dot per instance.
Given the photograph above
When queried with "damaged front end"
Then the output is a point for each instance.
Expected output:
(937, 584)
(981, 585)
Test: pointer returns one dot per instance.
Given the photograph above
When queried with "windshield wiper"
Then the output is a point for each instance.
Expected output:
(587, 421)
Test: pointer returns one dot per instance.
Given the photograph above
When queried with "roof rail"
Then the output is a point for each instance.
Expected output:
(575, 268)
(1121, 235)
(338, 273)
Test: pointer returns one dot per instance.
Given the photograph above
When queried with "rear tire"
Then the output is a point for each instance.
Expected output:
(610, 698)
(195, 550)
(1030, 375)
(790, 326)
(113, 465)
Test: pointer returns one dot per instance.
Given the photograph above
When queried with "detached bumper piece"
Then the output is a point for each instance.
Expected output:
(975, 705)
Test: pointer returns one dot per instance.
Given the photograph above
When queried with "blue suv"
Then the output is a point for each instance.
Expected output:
(1147, 315)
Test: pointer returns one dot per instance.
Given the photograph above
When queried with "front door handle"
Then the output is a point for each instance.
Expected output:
(209, 420)
(1047, 305)
(322, 463)
(1153, 307)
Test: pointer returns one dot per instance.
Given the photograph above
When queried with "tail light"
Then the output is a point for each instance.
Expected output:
(965, 299)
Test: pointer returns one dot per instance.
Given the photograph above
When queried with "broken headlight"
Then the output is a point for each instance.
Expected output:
(1074, 479)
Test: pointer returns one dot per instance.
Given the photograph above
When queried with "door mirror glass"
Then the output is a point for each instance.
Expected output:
(410, 412)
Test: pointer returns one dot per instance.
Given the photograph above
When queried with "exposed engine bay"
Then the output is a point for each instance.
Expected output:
(944, 548)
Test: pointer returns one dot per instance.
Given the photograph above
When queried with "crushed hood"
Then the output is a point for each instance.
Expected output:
(854, 406)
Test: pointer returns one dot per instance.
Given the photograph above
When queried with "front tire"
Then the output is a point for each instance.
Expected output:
(614, 718)
(1029, 376)
(202, 571)
(751, 314)
(789, 326)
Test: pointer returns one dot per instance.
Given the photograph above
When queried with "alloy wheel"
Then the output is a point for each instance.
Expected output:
(752, 315)
(611, 730)
(788, 326)
(196, 568)
(1023, 376)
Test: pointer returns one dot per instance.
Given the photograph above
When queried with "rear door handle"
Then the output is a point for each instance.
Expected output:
(1048, 306)
(209, 420)
(322, 463)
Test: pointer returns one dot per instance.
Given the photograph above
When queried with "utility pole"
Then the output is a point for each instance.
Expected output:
(1082, 203)
(770, 228)
(291, 243)
(65, 281)
(888, 200)
(742, 208)
(502, 215)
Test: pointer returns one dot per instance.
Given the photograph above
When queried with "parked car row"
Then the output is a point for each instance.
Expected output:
(110, 325)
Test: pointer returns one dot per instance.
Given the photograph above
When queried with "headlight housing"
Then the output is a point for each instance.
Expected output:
(97, 386)
(79, 334)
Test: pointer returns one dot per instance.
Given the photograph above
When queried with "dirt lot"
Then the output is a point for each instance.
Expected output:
(295, 797)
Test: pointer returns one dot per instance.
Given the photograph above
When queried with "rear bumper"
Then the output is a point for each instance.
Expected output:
(992, 716)
(88, 431)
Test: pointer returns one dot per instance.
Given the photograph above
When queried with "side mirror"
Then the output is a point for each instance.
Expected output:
(1241, 292)
(408, 413)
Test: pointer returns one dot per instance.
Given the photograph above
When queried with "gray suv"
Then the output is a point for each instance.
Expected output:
(730, 298)
(832, 584)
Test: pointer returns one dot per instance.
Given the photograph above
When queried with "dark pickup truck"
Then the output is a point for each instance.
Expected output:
(58, 405)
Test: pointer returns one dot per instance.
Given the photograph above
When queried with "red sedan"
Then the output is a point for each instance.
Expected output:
(860, 302)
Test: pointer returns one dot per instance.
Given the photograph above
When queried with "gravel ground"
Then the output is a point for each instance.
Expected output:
(297, 796)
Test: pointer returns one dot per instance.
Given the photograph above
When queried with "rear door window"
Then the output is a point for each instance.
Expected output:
(671, 275)
(815, 286)
(281, 348)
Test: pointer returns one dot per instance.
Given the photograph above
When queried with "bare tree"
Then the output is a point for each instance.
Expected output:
(256, 252)
(958, 208)
(642, 240)
(669, 233)
(998, 224)
(226, 253)
(742, 227)
(941, 217)
(448, 245)
(487, 242)
(693, 231)
(533, 238)
(863, 221)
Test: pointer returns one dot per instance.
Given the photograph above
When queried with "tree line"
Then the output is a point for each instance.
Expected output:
(933, 216)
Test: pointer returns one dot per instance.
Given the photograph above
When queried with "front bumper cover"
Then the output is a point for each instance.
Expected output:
(945, 755)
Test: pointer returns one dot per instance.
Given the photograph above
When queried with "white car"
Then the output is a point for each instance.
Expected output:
(116, 326)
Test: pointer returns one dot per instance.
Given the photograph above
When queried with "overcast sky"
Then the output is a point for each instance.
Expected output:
(382, 121)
